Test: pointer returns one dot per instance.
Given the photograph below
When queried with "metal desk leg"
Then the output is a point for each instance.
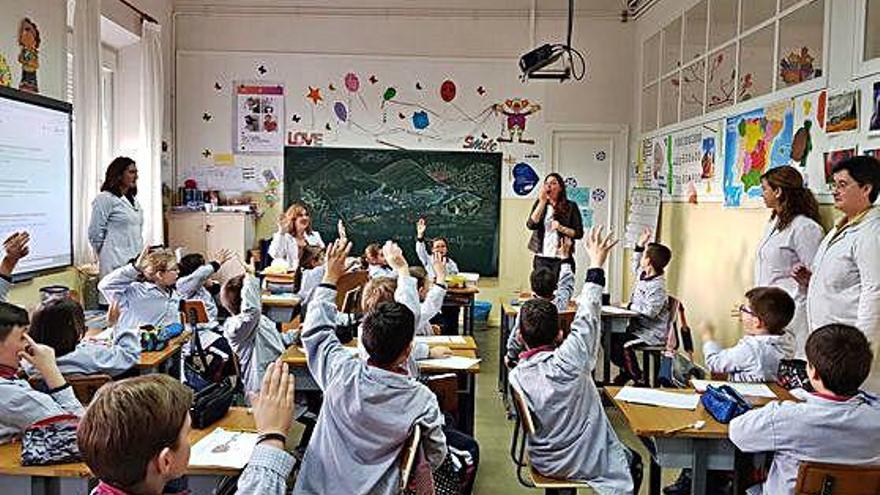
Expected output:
(700, 467)
(502, 347)
(467, 399)
(606, 351)
(469, 316)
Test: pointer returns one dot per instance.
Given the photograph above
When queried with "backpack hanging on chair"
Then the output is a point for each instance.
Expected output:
(676, 368)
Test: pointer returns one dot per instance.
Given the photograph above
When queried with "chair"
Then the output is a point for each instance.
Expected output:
(677, 333)
(408, 456)
(194, 311)
(84, 386)
(520, 457)
(445, 388)
(351, 282)
(816, 478)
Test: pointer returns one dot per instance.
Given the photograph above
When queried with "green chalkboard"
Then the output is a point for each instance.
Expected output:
(380, 194)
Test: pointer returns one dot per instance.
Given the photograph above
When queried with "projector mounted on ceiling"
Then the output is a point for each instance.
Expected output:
(539, 63)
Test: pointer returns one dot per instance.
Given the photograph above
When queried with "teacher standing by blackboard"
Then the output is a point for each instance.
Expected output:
(553, 218)
(117, 218)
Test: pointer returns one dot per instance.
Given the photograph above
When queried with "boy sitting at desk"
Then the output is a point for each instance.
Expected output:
(755, 358)
(836, 424)
(369, 406)
(650, 301)
(545, 286)
(135, 435)
(574, 439)
(22, 406)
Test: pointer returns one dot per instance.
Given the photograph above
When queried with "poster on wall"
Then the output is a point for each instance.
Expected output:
(755, 142)
(874, 125)
(644, 212)
(810, 141)
(843, 112)
(710, 175)
(686, 166)
(834, 157)
(258, 118)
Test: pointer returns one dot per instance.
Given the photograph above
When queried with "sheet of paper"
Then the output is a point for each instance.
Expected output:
(287, 296)
(223, 448)
(617, 311)
(441, 339)
(750, 389)
(452, 362)
(647, 396)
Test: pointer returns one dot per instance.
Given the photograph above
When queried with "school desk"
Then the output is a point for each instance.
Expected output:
(698, 449)
(296, 360)
(463, 297)
(161, 361)
(74, 478)
(280, 309)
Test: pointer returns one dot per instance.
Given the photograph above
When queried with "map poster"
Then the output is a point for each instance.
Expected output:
(755, 142)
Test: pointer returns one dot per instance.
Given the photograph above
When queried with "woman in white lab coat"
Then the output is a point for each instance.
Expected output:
(294, 233)
(117, 218)
(791, 238)
(843, 283)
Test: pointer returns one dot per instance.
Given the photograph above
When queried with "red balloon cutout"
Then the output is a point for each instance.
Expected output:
(447, 91)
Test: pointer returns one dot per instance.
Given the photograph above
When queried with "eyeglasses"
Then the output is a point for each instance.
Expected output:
(745, 309)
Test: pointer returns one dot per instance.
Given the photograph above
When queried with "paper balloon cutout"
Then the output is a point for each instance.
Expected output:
(420, 120)
(389, 94)
(524, 178)
(447, 91)
(352, 83)
(340, 110)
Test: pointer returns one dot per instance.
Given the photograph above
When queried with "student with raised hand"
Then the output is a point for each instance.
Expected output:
(194, 274)
(838, 423)
(375, 427)
(574, 438)
(146, 422)
(439, 245)
(431, 293)
(21, 405)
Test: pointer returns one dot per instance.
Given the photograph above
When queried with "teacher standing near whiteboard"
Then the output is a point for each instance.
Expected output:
(553, 218)
(294, 233)
(117, 218)
(792, 237)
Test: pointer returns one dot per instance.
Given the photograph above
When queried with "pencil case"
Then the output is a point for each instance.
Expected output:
(724, 403)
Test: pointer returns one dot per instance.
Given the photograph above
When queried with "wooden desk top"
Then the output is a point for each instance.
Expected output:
(462, 291)
(296, 358)
(512, 309)
(280, 302)
(156, 358)
(238, 418)
(655, 421)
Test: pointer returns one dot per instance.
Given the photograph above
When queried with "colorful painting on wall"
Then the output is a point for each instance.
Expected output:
(832, 158)
(843, 112)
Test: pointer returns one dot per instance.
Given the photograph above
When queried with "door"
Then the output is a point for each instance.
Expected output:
(592, 160)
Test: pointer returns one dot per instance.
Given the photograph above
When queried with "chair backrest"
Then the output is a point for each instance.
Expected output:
(351, 281)
(816, 478)
(522, 410)
(409, 454)
(678, 332)
(84, 386)
(195, 312)
(565, 319)
(445, 388)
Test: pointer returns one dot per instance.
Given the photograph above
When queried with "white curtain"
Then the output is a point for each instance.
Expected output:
(87, 168)
(149, 161)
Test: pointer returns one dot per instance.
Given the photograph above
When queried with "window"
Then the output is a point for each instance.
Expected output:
(871, 48)
(719, 53)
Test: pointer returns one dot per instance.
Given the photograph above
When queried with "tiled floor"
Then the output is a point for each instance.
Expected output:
(496, 473)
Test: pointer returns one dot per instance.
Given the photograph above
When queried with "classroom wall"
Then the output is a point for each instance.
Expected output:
(714, 247)
(604, 97)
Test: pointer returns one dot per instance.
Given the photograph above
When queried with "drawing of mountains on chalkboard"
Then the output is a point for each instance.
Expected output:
(477, 178)
(405, 174)
(340, 177)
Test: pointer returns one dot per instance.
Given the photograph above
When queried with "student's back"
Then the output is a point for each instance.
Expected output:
(367, 415)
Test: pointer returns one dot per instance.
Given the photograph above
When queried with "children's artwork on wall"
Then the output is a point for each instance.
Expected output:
(29, 56)
(755, 142)
(797, 67)
(872, 152)
(525, 179)
(832, 158)
(874, 125)
(810, 141)
(258, 108)
(5, 73)
(843, 112)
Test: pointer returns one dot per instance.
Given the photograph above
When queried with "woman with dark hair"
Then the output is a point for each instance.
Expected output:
(792, 237)
(117, 218)
(553, 218)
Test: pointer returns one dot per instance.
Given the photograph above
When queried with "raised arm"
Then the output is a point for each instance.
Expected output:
(115, 284)
(241, 327)
(16, 248)
(639, 251)
(421, 248)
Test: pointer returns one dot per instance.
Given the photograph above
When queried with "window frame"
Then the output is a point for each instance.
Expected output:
(862, 68)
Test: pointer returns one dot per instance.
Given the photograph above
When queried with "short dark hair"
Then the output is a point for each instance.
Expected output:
(11, 316)
(59, 323)
(127, 425)
(388, 330)
(864, 170)
(440, 239)
(841, 356)
(420, 274)
(543, 282)
(230, 294)
(538, 322)
(190, 263)
(658, 255)
(113, 177)
(773, 306)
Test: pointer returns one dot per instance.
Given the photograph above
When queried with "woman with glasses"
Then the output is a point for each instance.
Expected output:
(843, 282)
(791, 238)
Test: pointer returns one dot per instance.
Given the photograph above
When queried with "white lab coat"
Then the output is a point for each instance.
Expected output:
(819, 429)
(777, 254)
(284, 247)
(428, 262)
(115, 231)
(845, 286)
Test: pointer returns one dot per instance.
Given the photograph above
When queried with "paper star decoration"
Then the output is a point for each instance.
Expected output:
(295, 118)
(315, 95)
(206, 153)
(262, 69)
(481, 90)
(206, 117)
(217, 86)
(373, 79)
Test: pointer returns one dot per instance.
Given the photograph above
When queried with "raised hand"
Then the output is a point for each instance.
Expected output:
(644, 237)
(439, 265)
(335, 262)
(273, 410)
(543, 195)
(599, 245)
(16, 247)
(223, 256)
(564, 249)
(340, 229)
(394, 256)
(421, 227)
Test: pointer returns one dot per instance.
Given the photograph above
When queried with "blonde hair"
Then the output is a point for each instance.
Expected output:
(294, 211)
(378, 290)
(158, 261)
